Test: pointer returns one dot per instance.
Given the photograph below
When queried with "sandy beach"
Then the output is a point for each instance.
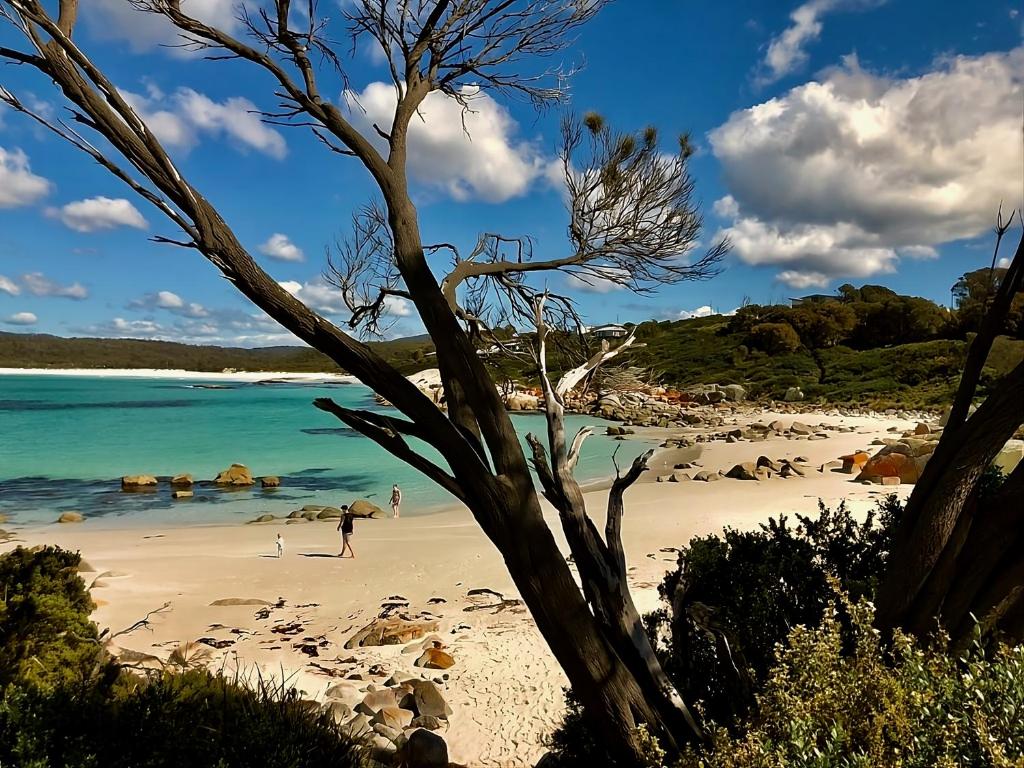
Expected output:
(171, 373)
(505, 688)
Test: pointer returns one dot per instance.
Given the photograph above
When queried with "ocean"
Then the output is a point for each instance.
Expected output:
(65, 442)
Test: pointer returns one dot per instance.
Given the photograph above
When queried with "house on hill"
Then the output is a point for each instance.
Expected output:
(813, 298)
(611, 331)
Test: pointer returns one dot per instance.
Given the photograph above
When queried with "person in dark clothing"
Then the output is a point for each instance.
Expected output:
(345, 527)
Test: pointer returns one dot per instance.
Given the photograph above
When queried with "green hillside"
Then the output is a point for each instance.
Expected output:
(45, 351)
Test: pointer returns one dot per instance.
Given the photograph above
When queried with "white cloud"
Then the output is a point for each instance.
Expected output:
(22, 318)
(98, 213)
(467, 154)
(171, 302)
(787, 52)
(840, 178)
(279, 247)
(39, 284)
(235, 118)
(170, 128)
(8, 286)
(726, 207)
(292, 286)
(606, 280)
(118, 20)
(327, 299)
(18, 185)
(796, 279)
(687, 314)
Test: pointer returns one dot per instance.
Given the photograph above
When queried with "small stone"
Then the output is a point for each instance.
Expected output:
(270, 481)
(435, 658)
(182, 494)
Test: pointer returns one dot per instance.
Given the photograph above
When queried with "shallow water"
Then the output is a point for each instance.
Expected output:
(66, 440)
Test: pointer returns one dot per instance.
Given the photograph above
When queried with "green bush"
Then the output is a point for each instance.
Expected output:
(773, 338)
(827, 704)
(191, 718)
(46, 636)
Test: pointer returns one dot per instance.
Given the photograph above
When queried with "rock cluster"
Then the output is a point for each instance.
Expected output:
(236, 474)
(398, 720)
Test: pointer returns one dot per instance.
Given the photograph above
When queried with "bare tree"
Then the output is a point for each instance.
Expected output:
(958, 556)
(632, 221)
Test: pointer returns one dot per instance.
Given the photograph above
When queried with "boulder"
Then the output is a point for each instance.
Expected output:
(271, 481)
(734, 392)
(799, 428)
(706, 476)
(745, 471)
(391, 631)
(393, 717)
(428, 699)
(179, 481)
(764, 461)
(888, 463)
(854, 462)
(777, 426)
(329, 513)
(429, 722)
(679, 477)
(311, 516)
(264, 519)
(375, 701)
(364, 508)
(134, 482)
(922, 429)
(358, 726)
(236, 474)
(182, 494)
(794, 395)
(522, 401)
(70, 517)
(435, 658)
(311, 508)
(423, 749)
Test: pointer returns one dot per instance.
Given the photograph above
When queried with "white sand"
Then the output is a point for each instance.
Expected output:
(505, 687)
(160, 373)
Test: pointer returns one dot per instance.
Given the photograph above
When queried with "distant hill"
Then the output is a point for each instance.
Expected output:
(36, 350)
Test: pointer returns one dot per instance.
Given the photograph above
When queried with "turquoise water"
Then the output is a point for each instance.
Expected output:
(66, 440)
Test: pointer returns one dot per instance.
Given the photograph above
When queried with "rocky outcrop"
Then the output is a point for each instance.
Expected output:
(137, 482)
(236, 474)
(364, 508)
(391, 631)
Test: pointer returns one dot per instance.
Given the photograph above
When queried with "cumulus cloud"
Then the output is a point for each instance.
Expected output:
(279, 247)
(687, 314)
(466, 154)
(8, 286)
(178, 120)
(21, 318)
(801, 280)
(18, 185)
(118, 20)
(325, 298)
(234, 118)
(171, 302)
(98, 213)
(843, 177)
(788, 51)
(39, 284)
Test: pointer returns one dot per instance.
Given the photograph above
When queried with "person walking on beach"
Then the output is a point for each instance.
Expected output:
(396, 499)
(280, 545)
(345, 526)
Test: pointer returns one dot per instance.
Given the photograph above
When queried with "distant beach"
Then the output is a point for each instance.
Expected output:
(177, 373)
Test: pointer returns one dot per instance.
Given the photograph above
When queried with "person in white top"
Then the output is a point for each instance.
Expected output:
(396, 499)
(280, 545)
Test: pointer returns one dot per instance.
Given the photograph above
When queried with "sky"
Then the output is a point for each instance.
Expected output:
(861, 141)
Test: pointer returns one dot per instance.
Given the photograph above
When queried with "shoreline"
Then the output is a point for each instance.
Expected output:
(178, 373)
(505, 687)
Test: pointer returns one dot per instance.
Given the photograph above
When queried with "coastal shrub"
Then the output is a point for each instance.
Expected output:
(46, 637)
(735, 597)
(831, 701)
(773, 338)
(192, 718)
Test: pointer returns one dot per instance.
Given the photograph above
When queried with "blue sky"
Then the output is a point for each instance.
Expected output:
(838, 141)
